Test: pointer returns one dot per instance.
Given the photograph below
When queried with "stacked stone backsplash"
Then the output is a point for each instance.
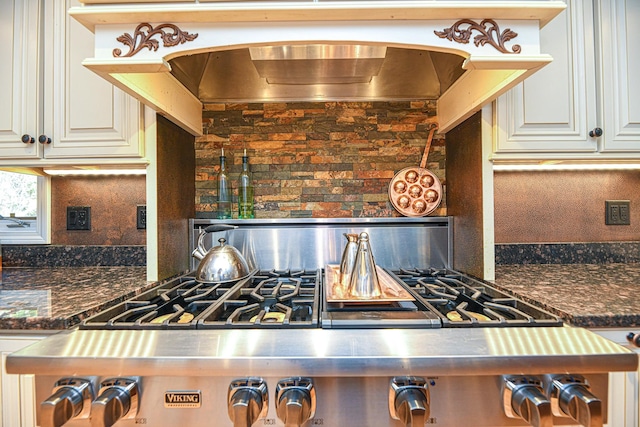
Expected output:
(330, 159)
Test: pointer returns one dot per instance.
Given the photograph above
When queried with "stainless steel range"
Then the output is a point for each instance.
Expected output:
(280, 347)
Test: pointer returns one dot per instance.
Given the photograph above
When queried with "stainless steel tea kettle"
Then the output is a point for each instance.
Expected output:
(222, 263)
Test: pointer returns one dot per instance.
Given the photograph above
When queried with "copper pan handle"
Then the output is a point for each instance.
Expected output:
(425, 154)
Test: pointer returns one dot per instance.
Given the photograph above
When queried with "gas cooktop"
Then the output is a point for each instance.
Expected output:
(293, 299)
(293, 347)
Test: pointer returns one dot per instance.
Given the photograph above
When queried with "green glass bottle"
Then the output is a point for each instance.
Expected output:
(245, 190)
(224, 190)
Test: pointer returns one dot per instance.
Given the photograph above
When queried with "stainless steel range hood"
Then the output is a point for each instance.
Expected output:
(176, 56)
(317, 73)
(318, 63)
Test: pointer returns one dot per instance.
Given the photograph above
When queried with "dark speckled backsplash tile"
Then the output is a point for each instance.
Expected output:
(72, 256)
(568, 253)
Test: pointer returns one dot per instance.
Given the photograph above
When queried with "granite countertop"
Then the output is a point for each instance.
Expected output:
(587, 295)
(61, 297)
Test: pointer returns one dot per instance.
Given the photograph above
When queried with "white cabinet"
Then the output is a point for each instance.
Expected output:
(53, 95)
(620, 86)
(85, 115)
(19, 77)
(590, 84)
(17, 392)
(624, 405)
(623, 399)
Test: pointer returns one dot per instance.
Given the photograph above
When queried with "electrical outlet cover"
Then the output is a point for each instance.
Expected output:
(78, 218)
(617, 212)
(141, 217)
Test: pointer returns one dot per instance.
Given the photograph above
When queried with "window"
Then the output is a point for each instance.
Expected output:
(24, 202)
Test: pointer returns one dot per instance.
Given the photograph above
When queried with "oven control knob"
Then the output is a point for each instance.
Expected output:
(571, 397)
(409, 400)
(523, 397)
(71, 398)
(118, 399)
(295, 401)
(247, 401)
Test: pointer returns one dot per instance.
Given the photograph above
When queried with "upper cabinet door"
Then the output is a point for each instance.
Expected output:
(19, 78)
(48, 93)
(620, 92)
(86, 116)
(552, 111)
(592, 85)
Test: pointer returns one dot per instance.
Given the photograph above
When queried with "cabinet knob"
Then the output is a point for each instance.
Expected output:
(44, 139)
(28, 139)
(634, 338)
(595, 133)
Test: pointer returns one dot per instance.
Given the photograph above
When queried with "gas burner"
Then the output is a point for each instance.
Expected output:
(177, 304)
(270, 298)
(463, 301)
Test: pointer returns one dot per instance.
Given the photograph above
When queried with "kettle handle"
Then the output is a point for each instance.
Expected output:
(201, 251)
(217, 227)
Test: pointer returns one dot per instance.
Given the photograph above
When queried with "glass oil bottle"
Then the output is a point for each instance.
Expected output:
(245, 190)
(224, 190)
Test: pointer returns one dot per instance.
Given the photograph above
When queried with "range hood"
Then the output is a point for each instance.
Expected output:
(318, 64)
(176, 56)
(317, 73)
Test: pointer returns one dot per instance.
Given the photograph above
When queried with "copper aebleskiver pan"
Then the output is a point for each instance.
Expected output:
(415, 191)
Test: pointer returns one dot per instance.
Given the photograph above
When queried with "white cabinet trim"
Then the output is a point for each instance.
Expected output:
(620, 68)
(537, 121)
(519, 129)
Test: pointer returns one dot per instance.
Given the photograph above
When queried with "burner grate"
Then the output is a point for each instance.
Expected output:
(293, 299)
(177, 304)
(463, 301)
(271, 298)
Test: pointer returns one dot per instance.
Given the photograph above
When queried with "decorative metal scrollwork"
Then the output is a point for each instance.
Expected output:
(142, 37)
(489, 33)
